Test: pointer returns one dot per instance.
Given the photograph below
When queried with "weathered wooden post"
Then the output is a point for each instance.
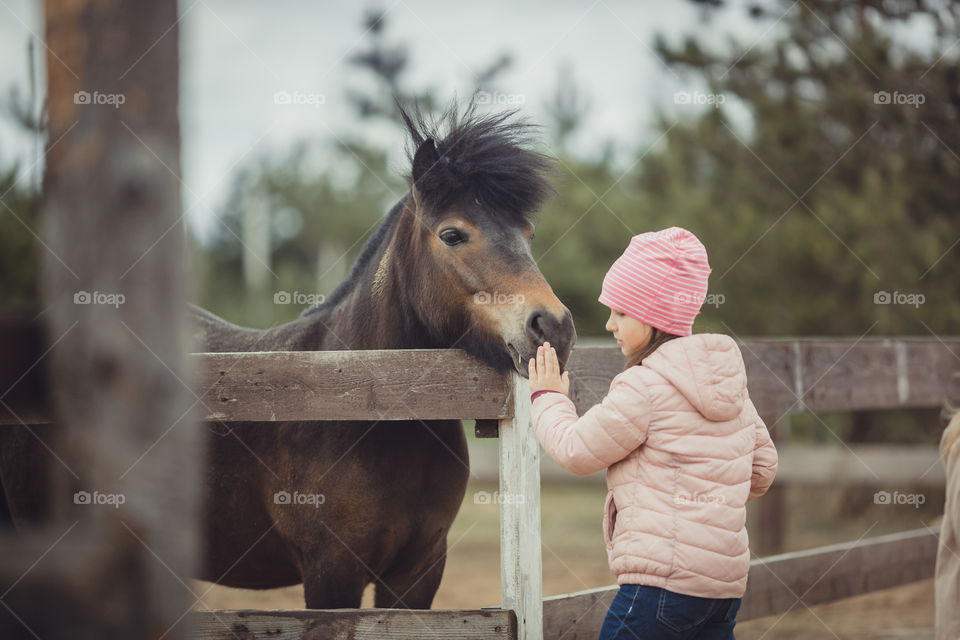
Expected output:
(521, 564)
(114, 294)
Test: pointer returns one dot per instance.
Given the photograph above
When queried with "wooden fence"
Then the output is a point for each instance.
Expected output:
(827, 374)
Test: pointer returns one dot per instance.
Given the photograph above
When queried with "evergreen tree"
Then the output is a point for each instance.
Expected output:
(841, 186)
(839, 192)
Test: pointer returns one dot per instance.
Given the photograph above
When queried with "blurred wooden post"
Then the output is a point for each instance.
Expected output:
(521, 564)
(256, 260)
(114, 293)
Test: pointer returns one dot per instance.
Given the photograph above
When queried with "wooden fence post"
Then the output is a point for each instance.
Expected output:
(521, 564)
(114, 293)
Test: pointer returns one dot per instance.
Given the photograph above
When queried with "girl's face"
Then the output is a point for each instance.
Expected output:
(631, 334)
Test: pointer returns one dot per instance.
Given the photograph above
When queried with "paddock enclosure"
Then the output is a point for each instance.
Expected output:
(118, 382)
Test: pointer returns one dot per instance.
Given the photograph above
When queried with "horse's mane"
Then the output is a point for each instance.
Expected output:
(483, 157)
(367, 254)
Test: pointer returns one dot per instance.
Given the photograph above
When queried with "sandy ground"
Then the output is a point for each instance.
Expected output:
(574, 559)
(904, 612)
(573, 555)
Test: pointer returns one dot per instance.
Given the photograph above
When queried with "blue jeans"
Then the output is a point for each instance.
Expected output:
(639, 612)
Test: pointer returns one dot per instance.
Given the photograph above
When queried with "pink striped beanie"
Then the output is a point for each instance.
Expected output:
(661, 280)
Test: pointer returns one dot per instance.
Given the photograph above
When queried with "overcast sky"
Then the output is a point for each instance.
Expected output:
(237, 54)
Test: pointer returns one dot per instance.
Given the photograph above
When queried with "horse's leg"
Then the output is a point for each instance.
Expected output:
(412, 585)
(6, 518)
(334, 582)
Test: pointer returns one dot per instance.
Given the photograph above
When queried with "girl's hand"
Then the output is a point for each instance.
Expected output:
(545, 371)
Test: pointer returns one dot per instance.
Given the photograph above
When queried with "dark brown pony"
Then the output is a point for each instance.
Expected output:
(450, 267)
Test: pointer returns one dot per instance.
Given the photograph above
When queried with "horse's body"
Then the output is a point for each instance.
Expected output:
(390, 489)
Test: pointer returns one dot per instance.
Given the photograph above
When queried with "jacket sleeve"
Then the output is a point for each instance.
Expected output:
(765, 457)
(605, 434)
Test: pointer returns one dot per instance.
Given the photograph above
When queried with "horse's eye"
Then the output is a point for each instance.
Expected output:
(532, 236)
(451, 237)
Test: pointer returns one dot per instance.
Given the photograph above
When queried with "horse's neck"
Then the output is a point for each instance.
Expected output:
(362, 321)
(373, 313)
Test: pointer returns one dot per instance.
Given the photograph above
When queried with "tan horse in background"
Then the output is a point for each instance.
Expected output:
(947, 582)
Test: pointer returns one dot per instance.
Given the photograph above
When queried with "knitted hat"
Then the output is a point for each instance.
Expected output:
(661, 280)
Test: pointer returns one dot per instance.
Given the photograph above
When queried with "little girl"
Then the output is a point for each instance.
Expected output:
(682, 443)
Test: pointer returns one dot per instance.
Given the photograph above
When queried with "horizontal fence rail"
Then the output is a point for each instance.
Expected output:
(825, 374)
(354, 624)
(349, 385)
(784, 376)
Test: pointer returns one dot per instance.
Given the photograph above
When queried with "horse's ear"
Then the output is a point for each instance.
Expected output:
(425, 157)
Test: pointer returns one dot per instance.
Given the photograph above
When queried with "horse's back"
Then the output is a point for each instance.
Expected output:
(211, 333)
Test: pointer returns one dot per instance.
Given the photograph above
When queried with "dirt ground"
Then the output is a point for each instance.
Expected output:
(574, 559)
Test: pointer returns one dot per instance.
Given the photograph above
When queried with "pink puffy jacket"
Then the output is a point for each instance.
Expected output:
(684, 450)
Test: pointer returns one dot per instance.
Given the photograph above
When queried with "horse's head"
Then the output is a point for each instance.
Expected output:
(468, 230)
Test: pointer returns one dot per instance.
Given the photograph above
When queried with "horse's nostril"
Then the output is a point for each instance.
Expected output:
(544, 326)
(535, 327)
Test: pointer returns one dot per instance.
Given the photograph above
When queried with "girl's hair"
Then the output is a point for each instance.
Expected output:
(657, 338)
